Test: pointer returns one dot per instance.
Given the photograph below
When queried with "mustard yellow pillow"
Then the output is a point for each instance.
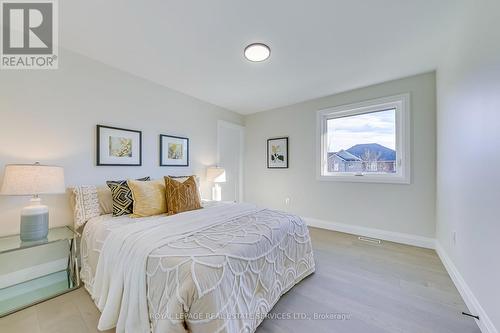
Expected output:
(182, 196)
(149, 197)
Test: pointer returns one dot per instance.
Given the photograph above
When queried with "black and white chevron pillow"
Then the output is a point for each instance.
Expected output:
(123, 202)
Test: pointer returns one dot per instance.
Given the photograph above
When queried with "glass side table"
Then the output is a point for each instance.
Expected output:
(15, 297)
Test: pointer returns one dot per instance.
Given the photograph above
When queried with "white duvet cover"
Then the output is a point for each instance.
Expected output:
(217, 269)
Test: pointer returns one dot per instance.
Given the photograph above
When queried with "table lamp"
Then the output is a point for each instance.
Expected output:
(33, 179)
(216, 175)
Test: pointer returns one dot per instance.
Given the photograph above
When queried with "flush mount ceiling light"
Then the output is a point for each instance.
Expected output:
(257, 52)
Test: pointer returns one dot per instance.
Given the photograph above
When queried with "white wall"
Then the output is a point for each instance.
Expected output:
(468, 191)
(393, 207)
(50, 116)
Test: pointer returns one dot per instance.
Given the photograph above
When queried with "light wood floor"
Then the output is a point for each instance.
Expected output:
(381, 288)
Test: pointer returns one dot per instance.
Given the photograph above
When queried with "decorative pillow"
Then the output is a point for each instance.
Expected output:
(105, 199)
(86, 204)
(182, 196)
(122, 196)
(149, 198)
(182, 179)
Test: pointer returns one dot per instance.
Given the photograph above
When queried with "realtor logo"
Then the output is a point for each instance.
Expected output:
(29, 34)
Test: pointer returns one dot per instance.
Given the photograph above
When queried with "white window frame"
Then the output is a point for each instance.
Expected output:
(401, 103)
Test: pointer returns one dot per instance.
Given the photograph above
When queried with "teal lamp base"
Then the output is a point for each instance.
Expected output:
(34, 221)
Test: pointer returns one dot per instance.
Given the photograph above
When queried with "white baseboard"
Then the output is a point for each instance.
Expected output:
(33, 272)
(485, 324)
(391, 236)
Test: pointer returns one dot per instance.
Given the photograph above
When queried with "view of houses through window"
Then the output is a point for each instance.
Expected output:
(362, 143)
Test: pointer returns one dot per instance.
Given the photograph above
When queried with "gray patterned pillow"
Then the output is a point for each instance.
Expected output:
(123, 202)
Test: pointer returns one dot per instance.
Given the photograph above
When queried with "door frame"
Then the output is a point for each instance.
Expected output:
(241, 129)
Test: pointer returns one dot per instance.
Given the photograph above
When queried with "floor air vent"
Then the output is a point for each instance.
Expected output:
(370, 240)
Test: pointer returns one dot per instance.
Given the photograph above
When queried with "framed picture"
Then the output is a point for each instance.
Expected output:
(118, 146)
(277, 153)
(174, 151)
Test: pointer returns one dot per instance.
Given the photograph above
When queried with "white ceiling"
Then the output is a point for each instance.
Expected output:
(317, 47)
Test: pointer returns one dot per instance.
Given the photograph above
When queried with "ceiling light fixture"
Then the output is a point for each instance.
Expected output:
(257, 52)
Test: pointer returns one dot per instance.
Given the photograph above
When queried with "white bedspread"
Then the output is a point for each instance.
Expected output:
(218, 269)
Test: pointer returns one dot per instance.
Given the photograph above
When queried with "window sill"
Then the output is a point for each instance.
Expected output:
(350, 178)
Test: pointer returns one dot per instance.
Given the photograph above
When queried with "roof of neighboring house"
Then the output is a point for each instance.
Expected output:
(345, 155)
(383, 153)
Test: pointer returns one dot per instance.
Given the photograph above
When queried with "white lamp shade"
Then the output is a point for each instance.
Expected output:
(216, 175)
(32, 179)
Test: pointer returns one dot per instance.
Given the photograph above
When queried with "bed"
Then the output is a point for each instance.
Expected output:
(217, 269)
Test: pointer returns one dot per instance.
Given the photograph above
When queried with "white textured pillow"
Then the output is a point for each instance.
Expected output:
(86, 204)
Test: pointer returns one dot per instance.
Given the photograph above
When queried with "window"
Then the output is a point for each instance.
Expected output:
(366, 142)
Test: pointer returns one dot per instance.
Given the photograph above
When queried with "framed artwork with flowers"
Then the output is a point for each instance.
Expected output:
(277, 153)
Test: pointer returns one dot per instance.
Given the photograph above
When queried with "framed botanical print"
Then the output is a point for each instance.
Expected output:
(277, 153)
(118, 146)
(174, 151)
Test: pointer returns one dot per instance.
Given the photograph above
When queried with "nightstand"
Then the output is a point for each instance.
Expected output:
(17, 295)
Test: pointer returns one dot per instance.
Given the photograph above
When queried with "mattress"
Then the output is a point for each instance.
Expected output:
(218, 269)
